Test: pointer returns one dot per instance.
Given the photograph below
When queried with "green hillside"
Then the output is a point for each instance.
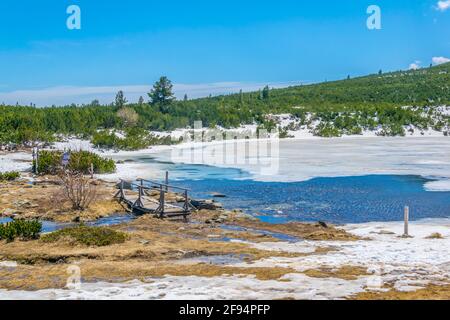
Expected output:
(342, 107)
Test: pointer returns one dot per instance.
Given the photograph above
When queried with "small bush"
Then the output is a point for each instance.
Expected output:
(135, 138)
(50, 162)
(23, 229)
(326, 130)
(435, 236)
(86, 235)
(9, 176)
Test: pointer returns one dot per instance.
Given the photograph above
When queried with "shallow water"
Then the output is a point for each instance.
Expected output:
(50, 226)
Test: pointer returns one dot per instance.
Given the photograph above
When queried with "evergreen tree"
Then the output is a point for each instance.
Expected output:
(185, 97)
(120, 99)
(141, 101)
(161, 95)
(266, 93)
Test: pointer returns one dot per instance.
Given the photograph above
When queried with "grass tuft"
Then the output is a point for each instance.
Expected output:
(86, 235)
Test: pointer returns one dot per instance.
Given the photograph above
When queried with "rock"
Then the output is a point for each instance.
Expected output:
(385, 232)
(322, 224)
(76, 219)
(8, 213)
(218, 205)
(218, 195)
(204, 204)
(179, 199)
(144, 242)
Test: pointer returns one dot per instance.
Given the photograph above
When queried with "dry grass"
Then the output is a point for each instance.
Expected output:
(40, 201)
(343, 272)
(431, 292)
(435, 236)
(54, 276)
(309, 231)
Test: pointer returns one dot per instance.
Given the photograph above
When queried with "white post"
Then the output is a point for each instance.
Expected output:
(406, 233)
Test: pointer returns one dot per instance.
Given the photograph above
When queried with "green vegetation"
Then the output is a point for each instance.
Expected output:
(346, 107)
(86, 235)
(22, 229)
(135, 138)
(80, 161)
(9, 176)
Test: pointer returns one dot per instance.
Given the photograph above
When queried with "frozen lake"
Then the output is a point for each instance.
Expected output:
(339, 180)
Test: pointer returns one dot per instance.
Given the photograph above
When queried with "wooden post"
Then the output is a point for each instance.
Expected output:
(162, 201)
(91, 170)
(186, 201)
(37, 160)
(167, 180)
(406, 218)
(34, 159)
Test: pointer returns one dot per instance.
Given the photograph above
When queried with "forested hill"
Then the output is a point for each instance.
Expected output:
(413, 87)
(343, 107)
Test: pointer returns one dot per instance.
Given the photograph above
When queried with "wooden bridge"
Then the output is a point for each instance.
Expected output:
(153, 198)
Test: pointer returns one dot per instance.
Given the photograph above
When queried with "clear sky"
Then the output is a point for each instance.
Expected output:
(206, 46)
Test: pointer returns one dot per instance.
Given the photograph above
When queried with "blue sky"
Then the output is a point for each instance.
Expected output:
(206, 46)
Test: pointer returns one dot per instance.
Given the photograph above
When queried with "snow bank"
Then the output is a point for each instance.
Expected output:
(15, 161)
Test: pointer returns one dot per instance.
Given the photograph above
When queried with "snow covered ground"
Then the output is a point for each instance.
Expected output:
(15, 161)
(405, 264)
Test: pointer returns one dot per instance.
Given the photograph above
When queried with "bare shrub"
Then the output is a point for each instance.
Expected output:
(128, 116)
(78, 189)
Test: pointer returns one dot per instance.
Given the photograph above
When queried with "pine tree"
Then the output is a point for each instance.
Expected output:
(266, 93)
(185, 97)
(141, 101)
(120, 99)
(161, 95)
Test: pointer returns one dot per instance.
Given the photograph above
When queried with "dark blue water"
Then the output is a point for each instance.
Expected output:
(336, 200)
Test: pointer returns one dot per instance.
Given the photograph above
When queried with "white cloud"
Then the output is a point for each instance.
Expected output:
(440, 60)
(415, 65)
(64, 95)
(443, 5)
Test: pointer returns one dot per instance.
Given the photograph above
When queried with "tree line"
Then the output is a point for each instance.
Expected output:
(345, 104)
